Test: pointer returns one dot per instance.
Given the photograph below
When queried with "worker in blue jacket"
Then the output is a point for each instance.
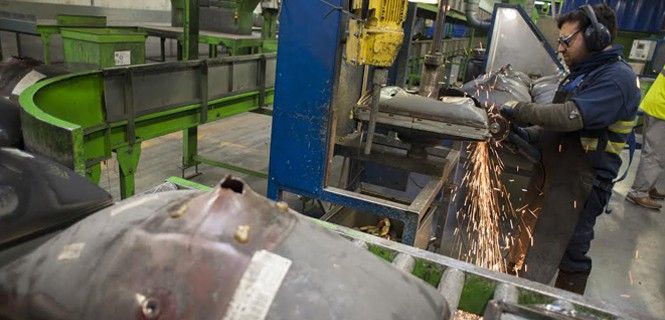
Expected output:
(580, 136)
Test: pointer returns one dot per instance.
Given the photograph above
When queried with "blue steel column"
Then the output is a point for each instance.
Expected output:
(309, 38)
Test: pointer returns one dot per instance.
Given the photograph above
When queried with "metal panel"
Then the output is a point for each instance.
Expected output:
(634, 15)
(271, 67)
(511, 25)
(244, 76)
(152, 92)
(308, 54)
(219, 81)
(163, 86)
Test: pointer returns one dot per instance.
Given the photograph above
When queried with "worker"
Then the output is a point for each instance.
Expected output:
(652, 160)
(580, 136)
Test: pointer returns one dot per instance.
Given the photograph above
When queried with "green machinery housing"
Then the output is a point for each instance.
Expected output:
(228, 23)
(80, 119)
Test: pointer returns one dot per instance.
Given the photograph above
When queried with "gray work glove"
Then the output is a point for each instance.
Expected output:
(562, 117)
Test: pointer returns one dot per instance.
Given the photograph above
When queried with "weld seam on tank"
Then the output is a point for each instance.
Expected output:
(451, 285)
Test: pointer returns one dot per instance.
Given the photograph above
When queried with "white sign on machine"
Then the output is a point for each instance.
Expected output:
(642, 50)
(122, 58)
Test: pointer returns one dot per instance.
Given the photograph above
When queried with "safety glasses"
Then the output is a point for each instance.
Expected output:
(565, 41)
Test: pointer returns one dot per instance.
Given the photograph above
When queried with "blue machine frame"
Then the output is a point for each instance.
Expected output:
(311, 33)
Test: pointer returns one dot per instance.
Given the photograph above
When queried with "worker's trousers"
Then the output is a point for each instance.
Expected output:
(575, 258)
(652, 160)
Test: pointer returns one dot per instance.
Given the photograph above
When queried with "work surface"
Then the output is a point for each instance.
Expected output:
(628, 252)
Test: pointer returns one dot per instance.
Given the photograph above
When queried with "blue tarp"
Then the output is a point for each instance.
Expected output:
(633, 15)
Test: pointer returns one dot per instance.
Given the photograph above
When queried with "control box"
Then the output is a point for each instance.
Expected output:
(642, 50)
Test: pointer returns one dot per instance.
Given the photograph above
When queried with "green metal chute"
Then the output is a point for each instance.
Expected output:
(80, 119)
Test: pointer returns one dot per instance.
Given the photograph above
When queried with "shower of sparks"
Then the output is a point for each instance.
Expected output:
(486, 207)
(487, 213)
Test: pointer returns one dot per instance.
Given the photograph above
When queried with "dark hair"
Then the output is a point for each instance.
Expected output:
(604, 14)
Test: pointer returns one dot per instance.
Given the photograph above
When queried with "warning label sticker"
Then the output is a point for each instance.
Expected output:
(122, 58)
(258, 286)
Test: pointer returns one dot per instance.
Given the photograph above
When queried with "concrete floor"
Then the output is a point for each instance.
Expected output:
(242, 140)
(628, 252)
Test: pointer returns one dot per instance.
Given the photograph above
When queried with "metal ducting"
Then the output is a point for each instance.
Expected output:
(472, 7)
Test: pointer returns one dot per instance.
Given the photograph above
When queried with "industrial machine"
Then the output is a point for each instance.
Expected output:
(385, 151)
(235, 254)
(315, 135)
(238, 255)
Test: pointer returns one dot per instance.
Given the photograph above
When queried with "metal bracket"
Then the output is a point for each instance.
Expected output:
(129, 106)
(204, 91)
(261, 80)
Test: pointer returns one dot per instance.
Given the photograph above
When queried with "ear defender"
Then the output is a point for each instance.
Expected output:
(596, 36)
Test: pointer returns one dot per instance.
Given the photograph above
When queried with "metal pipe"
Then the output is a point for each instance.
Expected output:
(472, 7)
(437, 38)
(191, 30)
(431, 75)
(506, 293)
(404, 263)
(380, 78)
(451, 287)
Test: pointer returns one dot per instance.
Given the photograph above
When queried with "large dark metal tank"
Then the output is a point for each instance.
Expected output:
(226, 254)
(16, 74)
(40, 197)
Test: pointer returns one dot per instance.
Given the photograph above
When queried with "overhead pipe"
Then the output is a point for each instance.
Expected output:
(430, 78)
(439, 25)
(471, 10)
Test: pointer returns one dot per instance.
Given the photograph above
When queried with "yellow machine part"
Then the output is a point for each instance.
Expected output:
(376, 40)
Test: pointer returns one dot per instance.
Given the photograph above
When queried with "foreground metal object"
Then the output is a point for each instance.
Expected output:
(17, 74)
(39, 196)
(483, 292)
(469, 288)
(226, 254)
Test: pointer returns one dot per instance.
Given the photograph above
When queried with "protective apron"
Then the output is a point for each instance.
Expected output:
(559, 189)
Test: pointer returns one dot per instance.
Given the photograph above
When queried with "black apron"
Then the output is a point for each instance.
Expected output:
(559, 188)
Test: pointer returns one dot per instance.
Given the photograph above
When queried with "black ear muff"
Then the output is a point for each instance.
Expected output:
(596, 36)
